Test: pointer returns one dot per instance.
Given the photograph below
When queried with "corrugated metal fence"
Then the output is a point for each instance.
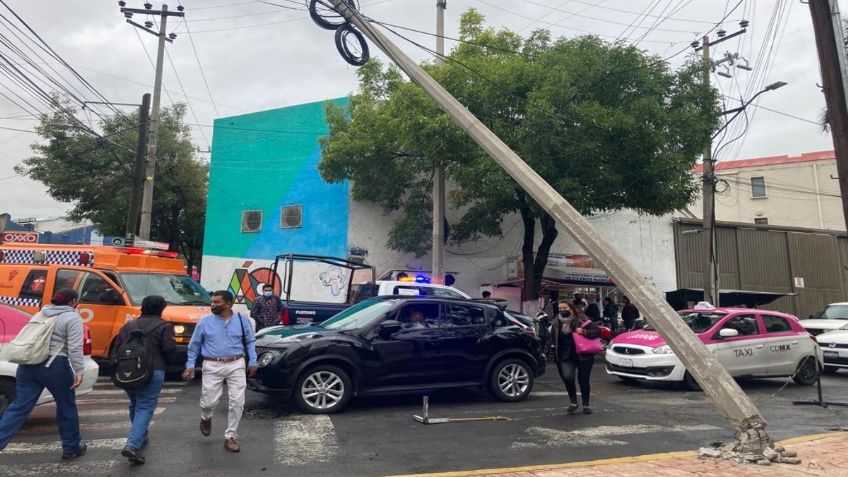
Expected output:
(812, 264)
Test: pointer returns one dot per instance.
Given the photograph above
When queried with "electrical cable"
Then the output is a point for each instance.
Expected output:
(200, 67)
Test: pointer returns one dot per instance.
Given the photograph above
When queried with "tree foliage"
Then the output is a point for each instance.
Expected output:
(95, 175)
(608, 126)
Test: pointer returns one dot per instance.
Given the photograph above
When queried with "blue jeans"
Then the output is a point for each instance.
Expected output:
(30, 381)
(142, 404)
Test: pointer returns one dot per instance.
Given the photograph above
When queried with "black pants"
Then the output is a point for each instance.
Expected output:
(581, 369)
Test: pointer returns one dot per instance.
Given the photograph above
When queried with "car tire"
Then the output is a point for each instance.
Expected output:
(323, 389)
(807, 372)
(690, 383)
(511, 380)
(7, 394)
(831, 369)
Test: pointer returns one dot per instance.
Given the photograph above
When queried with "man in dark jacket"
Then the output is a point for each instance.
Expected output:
(160, 341)
(629, 313)
(610, 314)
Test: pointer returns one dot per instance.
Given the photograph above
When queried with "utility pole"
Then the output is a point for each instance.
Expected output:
(711, 294)
(438, 273)
(709, 373)
(138, 170)
(150, 163)
(830, 45)
(711, 276)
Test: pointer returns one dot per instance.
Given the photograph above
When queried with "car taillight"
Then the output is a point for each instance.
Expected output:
(86, 341)
(284, 316)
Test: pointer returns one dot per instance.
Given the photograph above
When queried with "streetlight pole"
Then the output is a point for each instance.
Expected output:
(438, 272)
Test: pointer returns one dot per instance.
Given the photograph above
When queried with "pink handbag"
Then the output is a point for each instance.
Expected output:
(586, 346)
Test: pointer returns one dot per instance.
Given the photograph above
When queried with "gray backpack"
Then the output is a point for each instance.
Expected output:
(32, 344)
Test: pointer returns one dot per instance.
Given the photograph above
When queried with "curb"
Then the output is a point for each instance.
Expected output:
(611, 461)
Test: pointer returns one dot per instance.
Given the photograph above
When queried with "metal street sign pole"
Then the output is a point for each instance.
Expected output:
(716, 382)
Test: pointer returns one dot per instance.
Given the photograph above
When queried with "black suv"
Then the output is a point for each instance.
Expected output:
(394, 344)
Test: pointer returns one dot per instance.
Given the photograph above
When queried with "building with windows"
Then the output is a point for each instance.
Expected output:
(798, 191)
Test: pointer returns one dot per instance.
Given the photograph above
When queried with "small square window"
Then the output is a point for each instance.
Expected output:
(758, 187)
(761, 220)
(291, 217)
(251, 221)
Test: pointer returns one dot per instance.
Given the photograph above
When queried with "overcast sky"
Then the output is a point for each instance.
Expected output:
(258, 56)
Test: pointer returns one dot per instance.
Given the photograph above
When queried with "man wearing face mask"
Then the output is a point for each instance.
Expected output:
(226, 341)
(266, 309)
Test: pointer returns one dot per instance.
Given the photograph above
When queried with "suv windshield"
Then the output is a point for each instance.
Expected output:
(177, 289)
(359, 316)
(832, 312)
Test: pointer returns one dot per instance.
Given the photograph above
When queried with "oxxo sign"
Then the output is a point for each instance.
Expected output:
(19, 237)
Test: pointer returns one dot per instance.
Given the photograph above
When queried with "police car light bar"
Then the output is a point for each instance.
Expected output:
(141, 251)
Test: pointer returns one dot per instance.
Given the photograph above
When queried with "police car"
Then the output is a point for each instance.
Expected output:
(749, 343)
(834, 344)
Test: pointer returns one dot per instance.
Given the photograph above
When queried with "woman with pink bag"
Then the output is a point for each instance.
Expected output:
(575, 339)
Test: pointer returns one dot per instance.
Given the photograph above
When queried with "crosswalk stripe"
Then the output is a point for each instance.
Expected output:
(537, 437)
(32, 448)
(117, 412)
(126, 401)
(50, 429)
(121, 392)
(301, 440)
(58, 468)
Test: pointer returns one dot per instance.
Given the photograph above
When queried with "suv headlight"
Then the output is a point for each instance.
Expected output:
(664, 349)
(266, 358)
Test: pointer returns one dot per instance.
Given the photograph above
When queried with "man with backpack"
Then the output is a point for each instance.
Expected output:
(226, 342)
(143, 348)
(48, 351)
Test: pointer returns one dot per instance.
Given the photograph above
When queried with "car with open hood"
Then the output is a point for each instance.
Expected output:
(397, 344)
(748, 342)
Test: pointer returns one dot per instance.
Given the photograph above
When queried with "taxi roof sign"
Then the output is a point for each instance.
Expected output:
(704, 305)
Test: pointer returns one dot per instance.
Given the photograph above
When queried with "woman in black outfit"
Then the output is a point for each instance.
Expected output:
(569, 364)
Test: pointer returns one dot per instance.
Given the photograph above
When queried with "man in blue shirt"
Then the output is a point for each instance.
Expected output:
(224, 339)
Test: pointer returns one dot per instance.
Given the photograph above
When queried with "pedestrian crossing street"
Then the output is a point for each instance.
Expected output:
(104, 423)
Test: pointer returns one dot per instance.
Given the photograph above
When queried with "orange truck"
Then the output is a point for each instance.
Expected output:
(111, 282)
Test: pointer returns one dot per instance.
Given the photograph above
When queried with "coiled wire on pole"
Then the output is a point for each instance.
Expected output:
(350, 42)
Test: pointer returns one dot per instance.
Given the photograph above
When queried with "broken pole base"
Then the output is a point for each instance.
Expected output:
(753, 446)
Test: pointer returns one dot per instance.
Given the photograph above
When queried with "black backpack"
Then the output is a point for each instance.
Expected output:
(133, 360)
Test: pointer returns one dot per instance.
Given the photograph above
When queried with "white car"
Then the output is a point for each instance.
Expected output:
(834, 344)
(11, 321)
(833, 317)
(749, 343)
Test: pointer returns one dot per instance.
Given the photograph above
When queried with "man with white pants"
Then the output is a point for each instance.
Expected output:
(224, 339)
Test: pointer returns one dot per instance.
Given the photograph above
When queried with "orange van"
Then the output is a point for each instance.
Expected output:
(111, 282)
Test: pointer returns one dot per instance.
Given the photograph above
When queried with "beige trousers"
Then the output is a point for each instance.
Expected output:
(215, 375)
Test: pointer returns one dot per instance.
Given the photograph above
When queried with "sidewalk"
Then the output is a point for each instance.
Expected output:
(821, 455)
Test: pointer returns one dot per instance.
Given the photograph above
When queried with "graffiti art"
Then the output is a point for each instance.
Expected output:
(246, 285)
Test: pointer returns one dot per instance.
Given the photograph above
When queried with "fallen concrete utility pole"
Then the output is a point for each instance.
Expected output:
(716, 382)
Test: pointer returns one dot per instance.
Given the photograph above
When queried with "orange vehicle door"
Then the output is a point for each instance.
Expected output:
(101, 303)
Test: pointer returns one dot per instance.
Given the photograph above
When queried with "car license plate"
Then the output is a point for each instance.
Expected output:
(626, 363)
(831, 355)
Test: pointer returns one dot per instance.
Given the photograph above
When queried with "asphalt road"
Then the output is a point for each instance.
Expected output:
(378, 436)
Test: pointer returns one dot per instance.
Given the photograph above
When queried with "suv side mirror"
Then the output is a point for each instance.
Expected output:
(389, 327)
(728, 333)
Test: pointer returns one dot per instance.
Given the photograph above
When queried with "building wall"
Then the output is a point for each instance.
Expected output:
(647, 241)
(265, 161)
(803, 193)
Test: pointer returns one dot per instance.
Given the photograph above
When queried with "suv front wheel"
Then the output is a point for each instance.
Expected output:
(511, 380)
(323, 389)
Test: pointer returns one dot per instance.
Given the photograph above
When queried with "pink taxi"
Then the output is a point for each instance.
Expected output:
(749, 343)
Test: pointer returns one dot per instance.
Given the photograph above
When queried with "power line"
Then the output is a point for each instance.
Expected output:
(604, 20)
(202, 73)
(190, 107)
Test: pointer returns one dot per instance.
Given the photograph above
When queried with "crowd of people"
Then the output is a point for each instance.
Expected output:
(224, 339)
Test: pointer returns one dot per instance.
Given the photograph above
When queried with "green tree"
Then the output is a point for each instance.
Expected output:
(607, 125)
(95, 175)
